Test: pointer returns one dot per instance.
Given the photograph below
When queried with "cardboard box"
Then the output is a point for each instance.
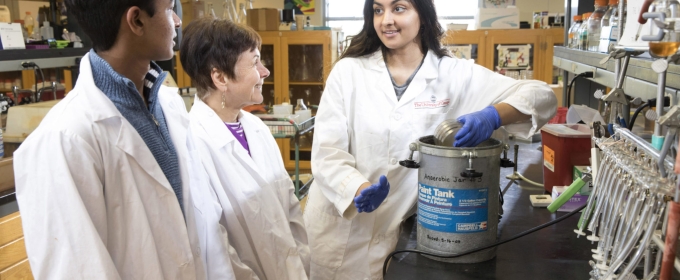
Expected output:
(492, 18)
(265, 19)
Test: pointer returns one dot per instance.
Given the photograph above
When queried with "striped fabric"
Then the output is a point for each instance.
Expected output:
(237, 130)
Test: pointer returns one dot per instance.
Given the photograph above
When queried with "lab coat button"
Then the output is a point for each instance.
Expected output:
(397, 116)
(376, 240)
(393, 161)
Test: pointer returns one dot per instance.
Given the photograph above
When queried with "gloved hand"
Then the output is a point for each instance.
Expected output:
(477, 127)
(371, 197)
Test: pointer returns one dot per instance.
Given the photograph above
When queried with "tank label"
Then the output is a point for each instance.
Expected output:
(453, 211)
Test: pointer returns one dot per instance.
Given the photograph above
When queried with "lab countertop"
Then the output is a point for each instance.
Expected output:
(551, 253)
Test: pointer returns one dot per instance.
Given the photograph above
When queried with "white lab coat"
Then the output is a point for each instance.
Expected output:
(94, 202)
(250, 224)
(362, 131)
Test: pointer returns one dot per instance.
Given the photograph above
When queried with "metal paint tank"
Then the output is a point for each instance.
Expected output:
(458, 196)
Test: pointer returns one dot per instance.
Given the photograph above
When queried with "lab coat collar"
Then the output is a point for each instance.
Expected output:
(128, 140)
(219, 136)
(427, 73)
(217, 132)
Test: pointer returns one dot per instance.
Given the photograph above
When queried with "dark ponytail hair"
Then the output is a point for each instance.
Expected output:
(431, 32)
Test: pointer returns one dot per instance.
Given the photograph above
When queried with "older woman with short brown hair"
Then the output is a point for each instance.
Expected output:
(249, 219)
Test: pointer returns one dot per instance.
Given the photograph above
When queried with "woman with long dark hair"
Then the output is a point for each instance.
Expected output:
(396, 83)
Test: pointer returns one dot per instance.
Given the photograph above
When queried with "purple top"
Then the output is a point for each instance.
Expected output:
(237, 130)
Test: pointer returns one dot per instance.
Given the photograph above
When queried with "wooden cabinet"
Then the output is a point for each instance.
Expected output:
(299, 62)
(485, 47)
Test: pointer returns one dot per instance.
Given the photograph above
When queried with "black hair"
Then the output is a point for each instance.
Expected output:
(209, 43)
(100, 19)
(431, 32)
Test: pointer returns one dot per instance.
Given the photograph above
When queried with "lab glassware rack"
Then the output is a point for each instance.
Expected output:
(286, 128)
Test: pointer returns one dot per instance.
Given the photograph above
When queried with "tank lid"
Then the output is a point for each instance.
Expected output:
(567, 130)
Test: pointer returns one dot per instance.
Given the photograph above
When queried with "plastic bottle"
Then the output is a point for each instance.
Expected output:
(582, 43)
(573, 32)
(594, 24)
(46, 31)
(28, 23)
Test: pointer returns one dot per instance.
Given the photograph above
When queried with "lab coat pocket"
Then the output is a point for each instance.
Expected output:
(328, 234)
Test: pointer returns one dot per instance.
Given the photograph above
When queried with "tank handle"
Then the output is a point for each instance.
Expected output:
(410, 163)
(470, 172)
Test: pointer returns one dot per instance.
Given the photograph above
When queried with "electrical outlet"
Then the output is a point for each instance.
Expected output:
(673, 97)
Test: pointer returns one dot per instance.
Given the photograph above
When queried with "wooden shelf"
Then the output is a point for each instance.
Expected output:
(305, 83)
(268, 83)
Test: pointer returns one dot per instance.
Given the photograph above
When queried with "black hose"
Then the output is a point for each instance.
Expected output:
(569, 88)
(522, 234)
(637, 112)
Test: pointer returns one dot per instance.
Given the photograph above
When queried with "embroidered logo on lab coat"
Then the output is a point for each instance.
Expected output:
(433, 103)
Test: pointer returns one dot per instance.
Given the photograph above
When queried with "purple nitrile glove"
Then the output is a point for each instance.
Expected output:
(477, 127)
(370, 198)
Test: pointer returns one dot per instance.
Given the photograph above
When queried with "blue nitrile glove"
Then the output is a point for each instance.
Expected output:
(477, 127)
(370, 198)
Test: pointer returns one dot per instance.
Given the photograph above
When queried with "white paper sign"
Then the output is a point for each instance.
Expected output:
(632, 26)
(11, 36)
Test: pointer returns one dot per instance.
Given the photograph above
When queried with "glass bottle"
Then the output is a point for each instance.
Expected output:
(199, 8)
(573, 32)
(671, 41)
(211, 10)
(594, 24)
(613, 8)
(308, 93)
(300, 106)
(582, 43)
(225, 11)
(611, 21)
(250, 4)
(28, 23)
(242, 18)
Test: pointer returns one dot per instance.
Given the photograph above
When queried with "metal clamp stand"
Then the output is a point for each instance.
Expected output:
(516, 176)
(616, 99)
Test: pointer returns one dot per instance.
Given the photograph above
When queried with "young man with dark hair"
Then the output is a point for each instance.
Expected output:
(112, 201)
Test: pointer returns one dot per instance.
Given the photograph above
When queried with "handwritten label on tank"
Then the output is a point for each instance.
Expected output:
(453, 211)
